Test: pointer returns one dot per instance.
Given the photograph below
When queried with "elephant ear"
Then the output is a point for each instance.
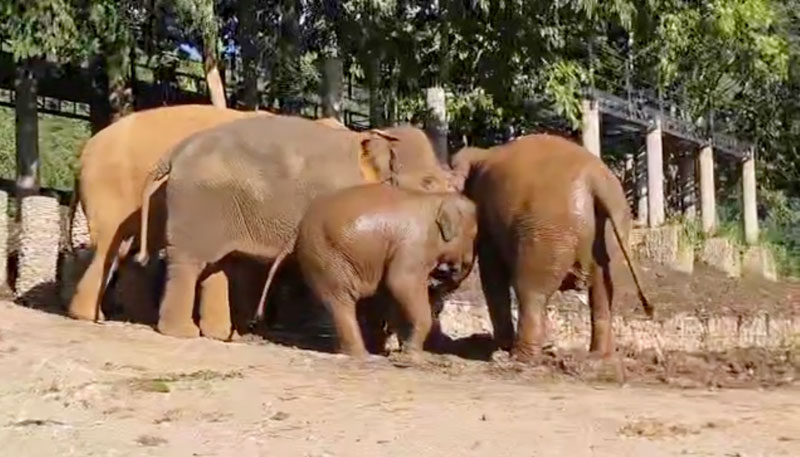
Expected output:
(447, 220)
(377, 159)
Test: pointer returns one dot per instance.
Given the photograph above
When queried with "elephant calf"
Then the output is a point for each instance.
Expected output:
(357, 240)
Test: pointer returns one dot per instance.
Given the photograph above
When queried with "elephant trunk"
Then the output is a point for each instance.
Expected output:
(612, 204)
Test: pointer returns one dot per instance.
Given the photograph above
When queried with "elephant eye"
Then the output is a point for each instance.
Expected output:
(428, 182)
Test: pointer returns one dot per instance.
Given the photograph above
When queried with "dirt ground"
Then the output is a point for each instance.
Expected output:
(114, 389)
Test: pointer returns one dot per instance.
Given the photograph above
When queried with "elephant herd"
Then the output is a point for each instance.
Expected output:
(365, 217)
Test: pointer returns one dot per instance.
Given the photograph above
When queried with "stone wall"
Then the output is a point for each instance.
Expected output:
(39, 237)
(569, 327)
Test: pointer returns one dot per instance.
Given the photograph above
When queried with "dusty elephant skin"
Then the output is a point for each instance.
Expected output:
(244, 186)
(551, 215)
(354, 241)
(113, 166)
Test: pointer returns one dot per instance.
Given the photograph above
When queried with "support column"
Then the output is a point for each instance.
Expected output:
(708, 204)
(641, 188)
(749, 210)
(686, 176)
(436, 124)
(655, 175)
(591, 126)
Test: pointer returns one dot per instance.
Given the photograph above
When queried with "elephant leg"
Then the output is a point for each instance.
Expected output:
(374, 322)
(85, 304)
(215, 311)
(175, 315)
(411, 295)
(531, 330)
(601, 291)
(496, 288)
(343, 309)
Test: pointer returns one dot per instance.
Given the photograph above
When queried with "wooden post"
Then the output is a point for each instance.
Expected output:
(749, 209)
(591, 126)
(686, 176)
(437, 122)
(708, 204)
(655, 175)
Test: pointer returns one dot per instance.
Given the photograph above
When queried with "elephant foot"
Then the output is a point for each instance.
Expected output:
(405, 359)
(86, 313)
(605, 368)
(216, 331)
(525, 353)
(178, 330)
(602, 354)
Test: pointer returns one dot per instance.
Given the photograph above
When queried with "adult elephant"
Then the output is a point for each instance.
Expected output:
(243, 187)
(549, 214)
(114, 164)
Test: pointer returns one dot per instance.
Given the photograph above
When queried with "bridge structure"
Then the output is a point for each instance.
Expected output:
(658, 130)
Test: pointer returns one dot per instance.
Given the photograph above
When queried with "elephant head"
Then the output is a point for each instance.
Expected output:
(457, 227)
(377, 159)
(417, 161)
(463, 162)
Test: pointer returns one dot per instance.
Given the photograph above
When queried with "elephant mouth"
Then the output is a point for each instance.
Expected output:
(444, 276)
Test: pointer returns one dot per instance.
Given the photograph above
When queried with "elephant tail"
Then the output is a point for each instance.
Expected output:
(602, 189)
(270, 276)
(155, 178)
(73, 206)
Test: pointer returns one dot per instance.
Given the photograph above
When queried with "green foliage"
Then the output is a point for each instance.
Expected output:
(780, 230)
(39, 28)
(60, 142)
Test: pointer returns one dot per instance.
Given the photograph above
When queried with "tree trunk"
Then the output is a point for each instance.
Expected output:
(373, 75)
(392, 108)
(216, 90)
(99, 106)
(247, 31)
(27, 130)
(120, 95)
(332, 76)
(289, 56)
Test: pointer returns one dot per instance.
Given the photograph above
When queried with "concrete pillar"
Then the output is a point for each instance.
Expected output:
(591, 126)
(686, 176)
(655, 175)
(436, 124)
(641, 189)
(749, 210)
(708, 204)
(38, 250)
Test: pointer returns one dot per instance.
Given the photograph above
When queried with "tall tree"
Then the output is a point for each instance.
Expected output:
(34, 30)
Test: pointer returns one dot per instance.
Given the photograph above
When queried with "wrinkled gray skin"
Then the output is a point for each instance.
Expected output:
(550, 215)
(358, 240)
(243, 187)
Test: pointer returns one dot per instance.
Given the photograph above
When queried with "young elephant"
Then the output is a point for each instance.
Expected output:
(356, 241)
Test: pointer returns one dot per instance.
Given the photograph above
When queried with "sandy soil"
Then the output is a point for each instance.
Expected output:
(74, 388)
